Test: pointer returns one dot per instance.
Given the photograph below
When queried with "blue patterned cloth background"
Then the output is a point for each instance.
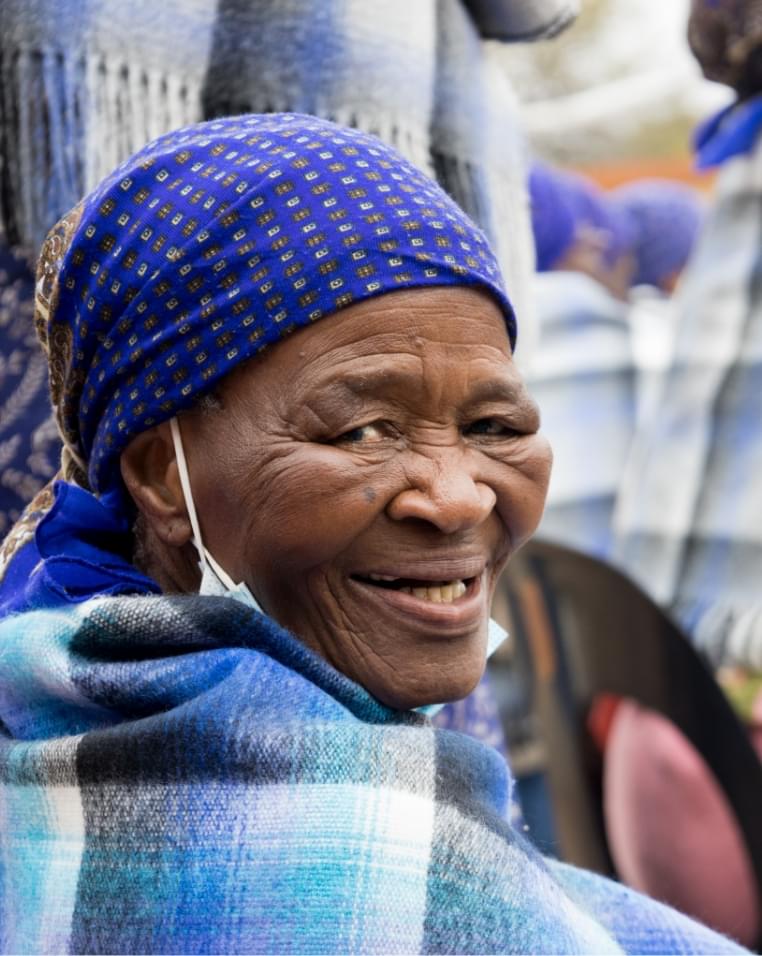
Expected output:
(29, 443)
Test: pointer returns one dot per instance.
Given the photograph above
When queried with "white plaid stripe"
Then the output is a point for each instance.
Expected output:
(41, 854)
(59, 893)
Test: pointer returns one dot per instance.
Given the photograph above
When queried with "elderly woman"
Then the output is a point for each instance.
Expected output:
(297, 456)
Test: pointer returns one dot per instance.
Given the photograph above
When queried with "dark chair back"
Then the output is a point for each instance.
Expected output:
(590, 630)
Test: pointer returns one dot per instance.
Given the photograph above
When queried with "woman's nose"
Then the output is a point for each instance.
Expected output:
(444, 494)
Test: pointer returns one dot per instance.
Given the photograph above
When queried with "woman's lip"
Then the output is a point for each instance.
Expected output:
(465, 611)
(435, 571)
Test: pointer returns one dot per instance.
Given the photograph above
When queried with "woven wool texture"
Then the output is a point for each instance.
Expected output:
(84, 87)
(180, 775)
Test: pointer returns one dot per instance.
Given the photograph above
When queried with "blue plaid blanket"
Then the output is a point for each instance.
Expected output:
(181, 775)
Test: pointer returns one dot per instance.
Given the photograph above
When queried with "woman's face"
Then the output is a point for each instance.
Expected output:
(368, 478)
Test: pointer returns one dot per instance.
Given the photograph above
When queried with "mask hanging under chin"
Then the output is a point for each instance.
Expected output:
(212, 585)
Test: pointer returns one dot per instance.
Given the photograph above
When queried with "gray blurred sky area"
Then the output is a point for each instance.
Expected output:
(620, 82)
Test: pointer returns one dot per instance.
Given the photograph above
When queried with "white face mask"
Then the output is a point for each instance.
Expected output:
(216, 582)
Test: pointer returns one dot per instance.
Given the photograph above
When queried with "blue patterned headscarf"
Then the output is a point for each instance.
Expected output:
(216, 241)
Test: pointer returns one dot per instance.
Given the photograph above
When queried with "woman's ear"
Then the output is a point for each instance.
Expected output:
(149, 470)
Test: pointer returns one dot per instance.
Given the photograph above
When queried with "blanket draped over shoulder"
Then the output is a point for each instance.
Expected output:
(182, 775)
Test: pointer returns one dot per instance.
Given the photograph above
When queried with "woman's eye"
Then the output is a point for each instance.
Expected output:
(363, 433)
(491, 427)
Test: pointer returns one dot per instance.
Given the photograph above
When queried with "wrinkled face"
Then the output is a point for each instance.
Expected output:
(368, 478)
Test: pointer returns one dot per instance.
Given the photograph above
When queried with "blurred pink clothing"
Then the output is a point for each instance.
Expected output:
(670, 829)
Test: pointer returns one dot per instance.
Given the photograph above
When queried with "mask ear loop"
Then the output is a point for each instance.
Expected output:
(204, 558)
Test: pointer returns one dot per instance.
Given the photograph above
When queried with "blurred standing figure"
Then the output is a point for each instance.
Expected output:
(690, 512)
(665, 218)
(582, 372)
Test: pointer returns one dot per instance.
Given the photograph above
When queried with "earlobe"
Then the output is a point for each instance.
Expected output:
(149, 471)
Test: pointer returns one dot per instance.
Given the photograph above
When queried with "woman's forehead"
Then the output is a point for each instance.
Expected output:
(392, 343)
(410, 319)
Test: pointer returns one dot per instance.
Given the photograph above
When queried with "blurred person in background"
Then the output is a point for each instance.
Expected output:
(689, 518)
(696, 544)
(582, 370)
(608, 263)
(603, 259)
(664, 219)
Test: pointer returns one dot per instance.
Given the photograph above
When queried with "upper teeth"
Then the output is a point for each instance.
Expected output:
(438, 593)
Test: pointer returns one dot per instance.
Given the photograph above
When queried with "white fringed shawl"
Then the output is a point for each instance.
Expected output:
(86, 84)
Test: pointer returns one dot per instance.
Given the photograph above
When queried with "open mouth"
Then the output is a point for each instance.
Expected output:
(438, 592)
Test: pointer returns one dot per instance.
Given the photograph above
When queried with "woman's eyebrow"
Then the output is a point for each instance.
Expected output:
(498, 390)
(512, 393)
(373, 380)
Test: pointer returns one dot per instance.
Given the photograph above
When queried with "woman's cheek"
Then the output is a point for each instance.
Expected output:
(522, 489)
(540, 463)
(318, 504)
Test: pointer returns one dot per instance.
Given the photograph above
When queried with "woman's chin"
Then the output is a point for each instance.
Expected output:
(411, 690)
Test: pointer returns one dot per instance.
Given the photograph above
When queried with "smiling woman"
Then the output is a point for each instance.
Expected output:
(371, 506)
(297, 455)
